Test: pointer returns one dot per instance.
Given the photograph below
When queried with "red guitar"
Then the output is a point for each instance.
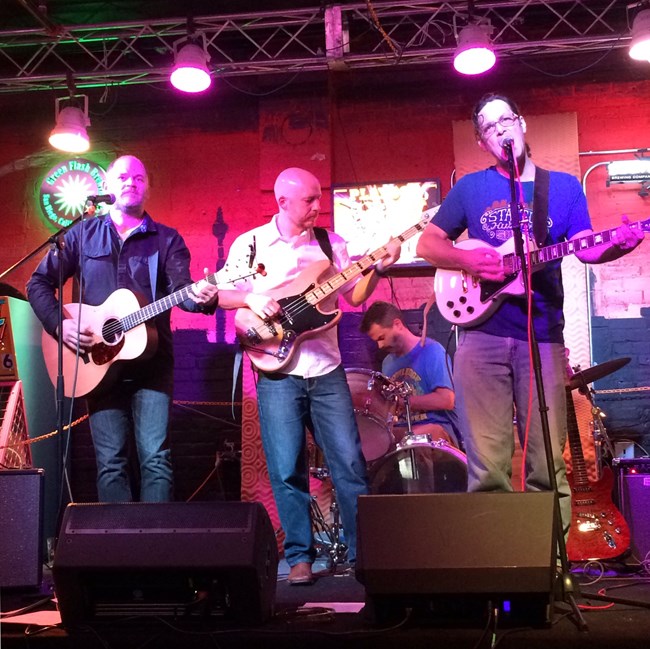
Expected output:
(598, 530)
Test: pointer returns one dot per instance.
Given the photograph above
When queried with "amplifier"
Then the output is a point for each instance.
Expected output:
(633, 497)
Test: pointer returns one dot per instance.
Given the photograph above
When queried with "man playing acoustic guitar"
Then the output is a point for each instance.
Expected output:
(301, 382)
(492, 367)
(111, 256)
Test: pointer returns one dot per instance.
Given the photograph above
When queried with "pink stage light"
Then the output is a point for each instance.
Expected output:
(474, 54)
(190, 73)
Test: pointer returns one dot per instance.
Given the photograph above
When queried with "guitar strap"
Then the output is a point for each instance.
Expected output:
(540, 205)
(324, 242)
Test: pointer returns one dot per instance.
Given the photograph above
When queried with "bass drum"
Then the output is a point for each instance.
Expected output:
(420, 468)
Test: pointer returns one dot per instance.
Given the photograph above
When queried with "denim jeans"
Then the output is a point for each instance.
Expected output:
(112, 416)
(287, 404)
(491, 375)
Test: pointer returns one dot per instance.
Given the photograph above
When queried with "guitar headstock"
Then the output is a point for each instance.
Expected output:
(232, 273)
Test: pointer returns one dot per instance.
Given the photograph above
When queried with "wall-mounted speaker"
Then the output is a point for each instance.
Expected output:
(21, 522)
(207, 561)
(458, 555)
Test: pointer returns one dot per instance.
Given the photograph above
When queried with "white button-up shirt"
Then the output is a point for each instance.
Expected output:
(287, 261)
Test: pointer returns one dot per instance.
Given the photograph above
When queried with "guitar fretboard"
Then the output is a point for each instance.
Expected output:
(165, 303)
(580, 475)
(336, 282)
(565, 248)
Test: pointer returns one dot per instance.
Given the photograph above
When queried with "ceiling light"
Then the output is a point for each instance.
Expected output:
(640, 44)
(474, 54)
(70, 134)
(190, 73)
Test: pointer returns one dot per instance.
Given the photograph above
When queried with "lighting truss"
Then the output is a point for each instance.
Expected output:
(349, 36)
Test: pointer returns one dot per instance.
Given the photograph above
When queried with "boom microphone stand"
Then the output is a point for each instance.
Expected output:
(56, 243)
(567, 580)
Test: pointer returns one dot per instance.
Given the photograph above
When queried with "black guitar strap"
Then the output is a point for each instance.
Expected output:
(324, 242)
(540, 205)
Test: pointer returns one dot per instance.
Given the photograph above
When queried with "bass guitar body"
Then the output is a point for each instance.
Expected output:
(270, 343)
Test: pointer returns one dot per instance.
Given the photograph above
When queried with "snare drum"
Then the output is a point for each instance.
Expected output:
(374, 405)
(420, 468)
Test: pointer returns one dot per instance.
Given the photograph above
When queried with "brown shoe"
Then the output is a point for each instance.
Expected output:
(301, 575)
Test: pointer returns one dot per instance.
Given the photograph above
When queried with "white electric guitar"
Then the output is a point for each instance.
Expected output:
(466, 300)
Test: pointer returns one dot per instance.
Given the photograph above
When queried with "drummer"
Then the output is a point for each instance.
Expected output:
(423, 366)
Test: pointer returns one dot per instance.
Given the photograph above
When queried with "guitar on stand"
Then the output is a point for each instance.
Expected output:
(598, 530)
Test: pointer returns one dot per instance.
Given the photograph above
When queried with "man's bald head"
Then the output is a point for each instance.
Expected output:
(298, 194)
(293, 180)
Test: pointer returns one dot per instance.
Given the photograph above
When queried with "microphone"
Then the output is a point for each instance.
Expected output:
(507, 143)
(109, 199)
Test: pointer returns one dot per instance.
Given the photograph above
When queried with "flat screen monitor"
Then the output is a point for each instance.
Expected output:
(368, 215)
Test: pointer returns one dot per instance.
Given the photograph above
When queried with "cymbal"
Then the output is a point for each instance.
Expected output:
(580, 379)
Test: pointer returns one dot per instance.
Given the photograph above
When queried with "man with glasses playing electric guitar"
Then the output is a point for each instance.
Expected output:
(293, 344)
(477, 288)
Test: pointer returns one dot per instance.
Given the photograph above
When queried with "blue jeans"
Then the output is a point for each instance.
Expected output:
(491, 375)
(287, 404)
(112, 416)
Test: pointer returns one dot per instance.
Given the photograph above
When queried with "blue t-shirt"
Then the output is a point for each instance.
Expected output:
(480, 203)
(425, 369)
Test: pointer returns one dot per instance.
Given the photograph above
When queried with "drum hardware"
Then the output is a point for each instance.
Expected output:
(329, 537)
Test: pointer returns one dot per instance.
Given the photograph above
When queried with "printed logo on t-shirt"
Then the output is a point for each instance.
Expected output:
(496, 221)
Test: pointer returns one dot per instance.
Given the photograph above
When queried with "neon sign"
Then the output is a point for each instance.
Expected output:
(66, 186)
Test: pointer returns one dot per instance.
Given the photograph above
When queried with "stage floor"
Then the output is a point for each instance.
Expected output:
(614, 605)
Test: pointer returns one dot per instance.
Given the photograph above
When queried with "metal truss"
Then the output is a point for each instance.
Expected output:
(347, 36)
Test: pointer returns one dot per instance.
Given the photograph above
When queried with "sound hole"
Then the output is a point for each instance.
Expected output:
(112, 331)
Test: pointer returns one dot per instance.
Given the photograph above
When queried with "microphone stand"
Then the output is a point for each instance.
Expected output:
(56, 243)
(567, 580)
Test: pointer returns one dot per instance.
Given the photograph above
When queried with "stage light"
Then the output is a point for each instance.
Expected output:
(640, 44)
(474, 54)
(190, 72)
(69, 133)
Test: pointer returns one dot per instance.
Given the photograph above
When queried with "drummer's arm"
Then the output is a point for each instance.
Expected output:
(439, 399)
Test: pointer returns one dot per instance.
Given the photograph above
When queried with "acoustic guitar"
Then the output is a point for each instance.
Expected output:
(598, 530)
(122, 330)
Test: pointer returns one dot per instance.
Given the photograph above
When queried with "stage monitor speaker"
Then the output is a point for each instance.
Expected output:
(21, 522)
(459, 555)
(633, 491)
(208, 561)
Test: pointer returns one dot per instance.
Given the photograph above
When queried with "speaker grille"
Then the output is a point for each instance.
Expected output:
(21, 504)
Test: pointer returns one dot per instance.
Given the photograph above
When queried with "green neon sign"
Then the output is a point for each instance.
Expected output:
(65, 187)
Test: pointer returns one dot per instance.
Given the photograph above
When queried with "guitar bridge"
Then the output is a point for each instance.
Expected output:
(287, 343)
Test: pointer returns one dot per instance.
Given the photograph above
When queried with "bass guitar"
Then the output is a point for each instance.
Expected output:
(598, 530)
(122, 330)
(467, 300)
(271, 342)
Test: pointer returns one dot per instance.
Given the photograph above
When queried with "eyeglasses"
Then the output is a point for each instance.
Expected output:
(505, 121)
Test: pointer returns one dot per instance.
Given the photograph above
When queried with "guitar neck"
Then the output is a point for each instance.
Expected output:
(566, 248)
(338, 281)
(165, 303)
(575, 443)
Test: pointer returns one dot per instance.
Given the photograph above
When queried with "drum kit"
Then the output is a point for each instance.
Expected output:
(415, 464)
